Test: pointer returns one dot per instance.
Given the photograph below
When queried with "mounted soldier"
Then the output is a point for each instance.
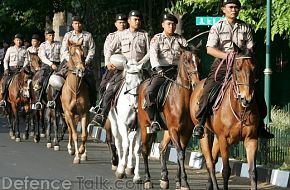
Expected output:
(35, 41)
(15, 58)
(164, 58)
(88, 45)
(111, 75)
(49, 54)
(134, 45)
(223, 39)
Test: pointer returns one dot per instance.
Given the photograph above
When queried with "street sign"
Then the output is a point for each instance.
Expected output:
(207, 20)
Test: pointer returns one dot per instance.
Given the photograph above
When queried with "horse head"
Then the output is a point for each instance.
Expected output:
(244, 79)
(24, 80)
(76, 62)
(133, 77)
(34, 62)
(189, 62)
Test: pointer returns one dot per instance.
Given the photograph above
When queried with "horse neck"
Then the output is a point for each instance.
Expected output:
(74, 82)
(182, 76)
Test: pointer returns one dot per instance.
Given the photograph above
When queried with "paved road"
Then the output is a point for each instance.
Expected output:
(29, 165)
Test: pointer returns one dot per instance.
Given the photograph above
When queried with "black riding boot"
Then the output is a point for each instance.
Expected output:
(101, 115)
(155, 126)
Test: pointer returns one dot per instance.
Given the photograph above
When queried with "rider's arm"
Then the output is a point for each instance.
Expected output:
(154, 48)
(213, 42)
(216, 53)
(64, 55)
(146, 58)
(91, 49)
(115, 44)
(7, 59)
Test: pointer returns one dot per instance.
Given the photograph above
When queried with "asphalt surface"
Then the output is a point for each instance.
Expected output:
(29, 165)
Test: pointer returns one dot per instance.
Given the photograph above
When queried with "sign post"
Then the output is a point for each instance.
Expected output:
(207, 20)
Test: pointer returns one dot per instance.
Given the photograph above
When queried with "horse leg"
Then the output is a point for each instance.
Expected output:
(64, 127)
(111, 145)
(33, 122)
(43, 118)
(69, 144)
(206, 145)
(16, 123)
(224, 149)
(55, 127)
(36, 115)
(182, 177)
(147, 140)
(130, 168)
(251, 149)
(73, 133)
(125, 146)
(137, 151)
(27, 124)
(82, 149)
(48, 127)
(164, 183)
(10, 120)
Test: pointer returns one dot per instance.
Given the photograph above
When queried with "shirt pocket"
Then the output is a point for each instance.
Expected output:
(176, 49)
(13, 56)
(125, 44)
(242, 39)
(141, 45)
(21, 56)
(225, 40)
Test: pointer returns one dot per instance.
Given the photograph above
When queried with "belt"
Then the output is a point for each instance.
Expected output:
(15, 67)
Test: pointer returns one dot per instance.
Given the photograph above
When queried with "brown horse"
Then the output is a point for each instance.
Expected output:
(177, 119)
(19, 99)
(75, 100)
(236, 118)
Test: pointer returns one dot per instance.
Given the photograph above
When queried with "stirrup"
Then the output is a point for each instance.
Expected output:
(154, 127)
(95, 110)
(51, 104)
(37, 106)
(3, 103)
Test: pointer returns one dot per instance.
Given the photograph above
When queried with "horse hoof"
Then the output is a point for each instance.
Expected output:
(42, 135)
(84, 158)
(11, 134)
(56, 148)
(25, 136)
(32, 134)
(36, 139)
(48, 145)
(164, 184)
(18, 139)
(81, 150)
(137, 180)
(129, 171)
(119, 175)
(13, 137)
(114, 168)
(76, 160)
(71, 152)
(148, 185)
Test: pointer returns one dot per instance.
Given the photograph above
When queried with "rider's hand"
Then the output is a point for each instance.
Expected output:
(54, 67)
(110, 66)
(6, 72)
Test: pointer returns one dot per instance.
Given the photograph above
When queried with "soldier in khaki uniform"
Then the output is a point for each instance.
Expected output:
(222, 39)
(88, 44)
(15, 58)
(164, 57)
(49, 54)
(35, 41)
(134, 45)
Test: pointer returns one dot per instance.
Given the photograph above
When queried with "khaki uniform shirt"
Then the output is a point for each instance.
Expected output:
(88, 44)
(134, 46)
(223, 36)
(165, 50)
(49, 53)
(110, 38)
(32, 49)
(15, 57)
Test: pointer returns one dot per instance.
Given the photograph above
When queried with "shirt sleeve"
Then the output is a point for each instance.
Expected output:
(64, 55)
(7, 59)
(154, 50)
(107, 43)
(146, 58)
(42, 56)
(91, 49)
(114, 45)
(213, 38)
(250, 41)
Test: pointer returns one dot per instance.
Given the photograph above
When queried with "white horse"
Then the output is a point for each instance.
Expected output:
(121, 117)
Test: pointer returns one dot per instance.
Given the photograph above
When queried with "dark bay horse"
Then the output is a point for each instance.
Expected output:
(19, 98)
(235, 119)
(75, 101)
(177, 119)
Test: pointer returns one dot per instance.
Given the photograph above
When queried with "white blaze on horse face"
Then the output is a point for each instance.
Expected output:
(26, 89)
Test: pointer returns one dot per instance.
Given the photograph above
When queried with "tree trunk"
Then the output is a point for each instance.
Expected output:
(59, 19)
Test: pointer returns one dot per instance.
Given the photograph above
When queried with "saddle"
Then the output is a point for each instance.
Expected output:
(162, 94)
